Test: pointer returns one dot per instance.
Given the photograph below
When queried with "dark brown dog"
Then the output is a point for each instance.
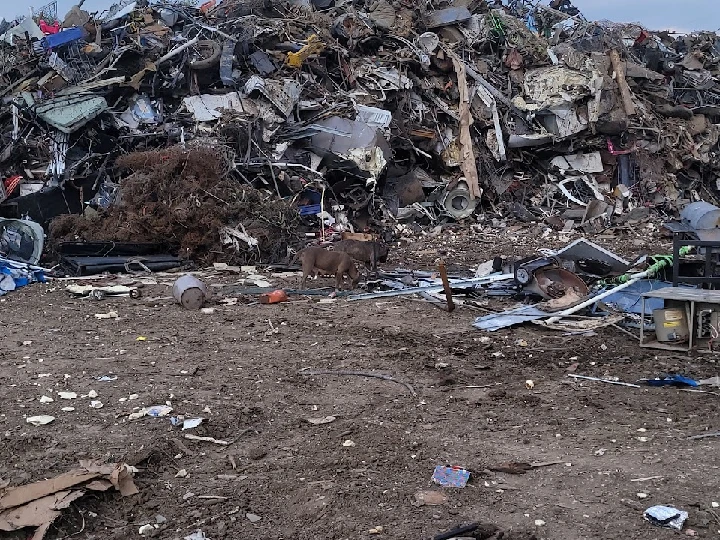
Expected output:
(368, 252)
(315, 259)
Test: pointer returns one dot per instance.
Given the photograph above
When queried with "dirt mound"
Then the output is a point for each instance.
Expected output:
(185, 198)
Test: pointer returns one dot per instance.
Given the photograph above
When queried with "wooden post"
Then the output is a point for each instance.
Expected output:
(446, 286)
(619, 68)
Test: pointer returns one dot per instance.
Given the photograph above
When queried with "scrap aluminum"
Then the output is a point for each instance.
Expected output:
(365, 116)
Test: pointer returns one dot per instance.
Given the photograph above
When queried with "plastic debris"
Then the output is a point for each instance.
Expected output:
(67, 395)
(197, 535)
(148, 529)
(451, 476)
(41, 420)
(670, 380)
(320, 421)
(108, 315)
(666, 516)
(187, 423)
(154, 411)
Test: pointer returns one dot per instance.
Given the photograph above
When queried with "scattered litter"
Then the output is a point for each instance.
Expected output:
(107, 378)
(666, 516)
(597, 379)
(669, 380)
(529, 384)
(46, 399)
(197, 535)
(187, 423)
(323, 420)
(191, 423)
(67, 395)
(147, 529)
(154, 411)
(253, 518)
(67, 409)
(39, 504)
(41, 420)
(451, 476)
(348, 443)
(539, 523)
(376, 530)
(182, 473)
(96, 404)
(190, 292)
(274, 297)
(206, 439)
(108, 315)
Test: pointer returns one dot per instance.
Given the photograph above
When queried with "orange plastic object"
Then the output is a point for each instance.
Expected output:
(274, 297)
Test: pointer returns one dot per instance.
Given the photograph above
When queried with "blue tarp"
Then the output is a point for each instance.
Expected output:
(14, 275)
(629, 300)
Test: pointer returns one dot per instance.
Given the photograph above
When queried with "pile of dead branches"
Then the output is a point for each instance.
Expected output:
(189, 198)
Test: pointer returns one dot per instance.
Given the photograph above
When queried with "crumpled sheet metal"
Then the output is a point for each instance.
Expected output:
(209, 107)
(284, 95)
(355, 141)
(68, 114)
(556, 86)
(512, 317)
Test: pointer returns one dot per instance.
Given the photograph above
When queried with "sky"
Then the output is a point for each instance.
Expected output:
(678, 15)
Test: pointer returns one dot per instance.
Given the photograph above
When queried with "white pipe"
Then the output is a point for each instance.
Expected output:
(178, 50)
(594, 299)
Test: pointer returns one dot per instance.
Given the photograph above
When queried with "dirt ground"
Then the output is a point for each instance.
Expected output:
(238, 368)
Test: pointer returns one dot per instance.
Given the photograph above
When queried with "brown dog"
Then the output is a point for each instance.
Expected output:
(330, 262)
(368, 252)
(362, 237)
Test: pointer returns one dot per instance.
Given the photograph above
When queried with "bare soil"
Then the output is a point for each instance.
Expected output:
(238, 369)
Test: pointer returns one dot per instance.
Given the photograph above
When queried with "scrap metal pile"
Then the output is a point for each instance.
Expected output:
(370, 115)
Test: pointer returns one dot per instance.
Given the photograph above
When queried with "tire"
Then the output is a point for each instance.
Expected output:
(211, 52)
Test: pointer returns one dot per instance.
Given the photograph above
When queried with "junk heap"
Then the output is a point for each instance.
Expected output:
(233, 130)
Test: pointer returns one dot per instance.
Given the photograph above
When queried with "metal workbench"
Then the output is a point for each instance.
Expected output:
(689, 298)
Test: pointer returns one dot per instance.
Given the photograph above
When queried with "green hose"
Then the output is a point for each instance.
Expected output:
(661, 262)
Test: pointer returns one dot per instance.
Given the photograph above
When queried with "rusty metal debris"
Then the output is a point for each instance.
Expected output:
(236, 131)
